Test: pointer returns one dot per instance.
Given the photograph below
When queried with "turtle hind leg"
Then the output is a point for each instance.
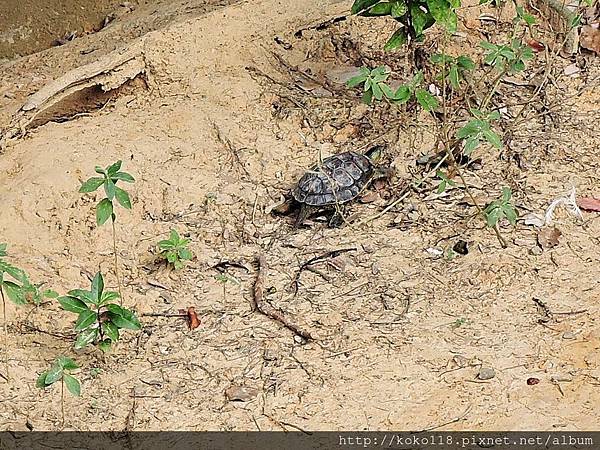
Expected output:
(303, 214)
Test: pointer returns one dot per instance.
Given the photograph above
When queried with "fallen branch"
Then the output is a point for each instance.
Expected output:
(315, 260)
(268, 310)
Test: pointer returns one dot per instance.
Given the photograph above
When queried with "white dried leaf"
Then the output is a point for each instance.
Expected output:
(569, 202)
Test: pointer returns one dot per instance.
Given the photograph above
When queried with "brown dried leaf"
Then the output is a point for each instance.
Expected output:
(536, 46)
(369, 197)
(192, 318)
(590, 38)
(548, 237)
(589, 203)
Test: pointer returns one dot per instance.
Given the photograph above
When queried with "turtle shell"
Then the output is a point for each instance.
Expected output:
(338, 179)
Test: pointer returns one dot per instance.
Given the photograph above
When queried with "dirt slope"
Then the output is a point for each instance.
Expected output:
(402, 334)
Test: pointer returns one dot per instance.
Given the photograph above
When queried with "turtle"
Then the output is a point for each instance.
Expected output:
(337, 180)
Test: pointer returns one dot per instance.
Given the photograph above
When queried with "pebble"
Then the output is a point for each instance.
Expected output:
(537, 250)
(486, 373)
(569, 335)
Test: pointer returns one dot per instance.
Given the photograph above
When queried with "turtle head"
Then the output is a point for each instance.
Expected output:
(375, 153)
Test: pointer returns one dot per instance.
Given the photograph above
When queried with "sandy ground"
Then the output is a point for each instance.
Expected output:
(228, 122)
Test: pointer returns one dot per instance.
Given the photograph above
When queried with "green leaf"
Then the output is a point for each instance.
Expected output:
(14, 293)
(81, 294)
(85, 338)
(455, 3)
(104, 210)
(466, 63)
(360, 78)
(85, 319)
(72, 304)
(185, 253)
(510, 213)
(123, 197)
(442, 12)
(427, 101)
(100, 170)
(441, 187)
(493, 215)
(472, 128)
(105, 345)
(470, 145)
(53, 374)
(380, 9)
(367, 97)
(506, 194)
(174, 236)
(123, 318)
(492, 138)
(109, 188)
(114, 168)
(123, 176)
(399, 9)
(377, 93)
(41, 380)
(66, 363)
(361, 5)
(453, 76)
(110, 330)
(387, 91)
(3, 249)
(400, 37)
(402, 94)
(91, 185)
(421, 20)
(97, 287)
(72, 384)
(14, 272)
(108, 297)
(49, 293)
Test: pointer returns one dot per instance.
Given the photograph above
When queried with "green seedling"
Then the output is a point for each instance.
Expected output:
(59, 371)
(501, 208)
(15, 283)
(507, 58)
(100, 320)
(445, 181)
(375, 87)
(459, 322)
(414, 17)
(479, 129)
(175, 250)
(111, 175)
(453, 68)
(225, 278)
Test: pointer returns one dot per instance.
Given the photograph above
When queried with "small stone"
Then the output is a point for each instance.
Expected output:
(486, 373)
(299, 340)
(561, 378)
(241, 393)
(569, 335)
(536, 250)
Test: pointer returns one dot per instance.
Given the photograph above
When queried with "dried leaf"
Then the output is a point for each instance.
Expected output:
(589, 203)
(590, 38)
(536, 46)
(241, 393)
(534, 220)
(570, 203)
(369, 197)
(548, 237)
(192, 318)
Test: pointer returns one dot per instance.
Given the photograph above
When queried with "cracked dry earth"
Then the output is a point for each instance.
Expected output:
(402, 334)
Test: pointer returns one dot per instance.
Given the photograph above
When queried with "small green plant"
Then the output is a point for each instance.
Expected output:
(109, 179)
(19, 290)
(60, 371)
(445, 181)
(175, 250)
(225, 278)
(414, 16)
(459, 322)
(507, 58)
(479, 129)
(99, 318)
(375, 87)
(501, 208)
(111, 175)
(453, 67)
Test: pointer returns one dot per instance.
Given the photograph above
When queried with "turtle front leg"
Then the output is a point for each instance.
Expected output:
(337, 219)
(303, 214)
